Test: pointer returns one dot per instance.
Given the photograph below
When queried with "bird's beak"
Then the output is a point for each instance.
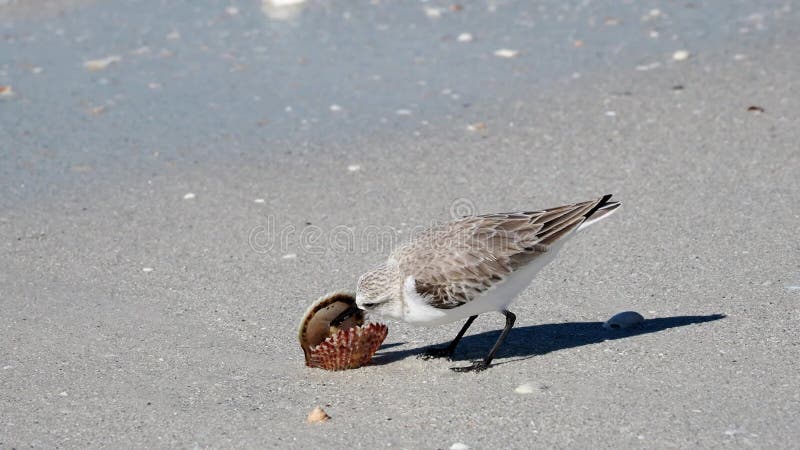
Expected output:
(346, 314)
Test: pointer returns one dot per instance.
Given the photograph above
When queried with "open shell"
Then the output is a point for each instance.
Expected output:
(333, 335)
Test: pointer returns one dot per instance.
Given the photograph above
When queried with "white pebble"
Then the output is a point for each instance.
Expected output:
(403, 112)
(625, 319)
(63, 394)
(354, 167)
(335, 108)
(506, 53)
(526, 388)
(174, 36)
(259, 200)
(147, 269)
(289, 256)
(680, 55)
(611, 113)
(188, 196)
(232, 10)
(459, 446)
(465, 37)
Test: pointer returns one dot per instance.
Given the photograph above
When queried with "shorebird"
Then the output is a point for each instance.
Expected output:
(471, 266)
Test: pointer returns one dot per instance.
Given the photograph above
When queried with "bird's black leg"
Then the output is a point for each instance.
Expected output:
(484, 364)
(447, 352)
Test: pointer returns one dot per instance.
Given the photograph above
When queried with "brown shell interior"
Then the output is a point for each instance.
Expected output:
(317, 324)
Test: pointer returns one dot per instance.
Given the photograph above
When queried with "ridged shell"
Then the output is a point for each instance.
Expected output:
(350, 348)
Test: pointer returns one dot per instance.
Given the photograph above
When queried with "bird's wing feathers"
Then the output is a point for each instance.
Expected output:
(456, 262)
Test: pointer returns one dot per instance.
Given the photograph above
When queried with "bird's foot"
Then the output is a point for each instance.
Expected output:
(431, 353)
(477, 366)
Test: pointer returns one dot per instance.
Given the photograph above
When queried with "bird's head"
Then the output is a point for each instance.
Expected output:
(379, 291)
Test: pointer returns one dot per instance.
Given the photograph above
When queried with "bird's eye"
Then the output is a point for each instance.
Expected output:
(369, 305)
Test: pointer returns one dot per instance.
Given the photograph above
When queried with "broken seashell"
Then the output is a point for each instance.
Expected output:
(317, 415)
(333, 335)
(625, 319)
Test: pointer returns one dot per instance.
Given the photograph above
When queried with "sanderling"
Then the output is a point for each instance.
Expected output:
(471, 266)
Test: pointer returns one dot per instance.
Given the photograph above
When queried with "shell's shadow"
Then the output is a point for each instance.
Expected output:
(529, 341)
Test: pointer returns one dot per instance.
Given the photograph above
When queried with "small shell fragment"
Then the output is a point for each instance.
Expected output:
(317, 415)
(506, 53)
(625, 319)
(333, 335)
(95, 65)
(526, 388)
(680, 55)
(465, 37)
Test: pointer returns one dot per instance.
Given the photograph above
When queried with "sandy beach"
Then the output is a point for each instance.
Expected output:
(179, 182)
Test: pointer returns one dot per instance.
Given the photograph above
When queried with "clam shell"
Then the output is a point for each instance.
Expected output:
(333, 336)
(625, 319)
(350, 348)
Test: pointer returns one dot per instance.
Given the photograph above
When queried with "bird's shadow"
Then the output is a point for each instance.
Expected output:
(526, 342)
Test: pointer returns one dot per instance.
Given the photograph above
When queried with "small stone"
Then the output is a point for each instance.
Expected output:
(189, 196)
(459, 446)
(335, 108)
(465, 37)
(6, 91)
(289, 256)
(611, 113)
(680, 55)
(147, 269)
(232, 10)
(526, 388)
(173, 36)
(403, 112)
(506, 53)
(94, 65)
(317, 415)
(63, 394)
(154, 85)
(625, 319)
(354, 167)
(259, 200)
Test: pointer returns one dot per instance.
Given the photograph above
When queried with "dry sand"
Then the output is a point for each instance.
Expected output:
(135, 315)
